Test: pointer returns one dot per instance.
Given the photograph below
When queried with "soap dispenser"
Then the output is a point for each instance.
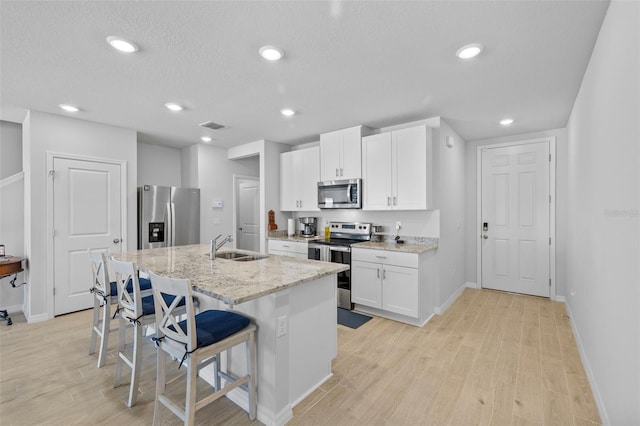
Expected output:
(327, 231)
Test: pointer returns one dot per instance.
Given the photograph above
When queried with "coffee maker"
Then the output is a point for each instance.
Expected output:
(307, 226)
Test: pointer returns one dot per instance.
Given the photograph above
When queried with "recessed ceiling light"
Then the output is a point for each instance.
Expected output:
(506, 122)
(69, 108)
(205, 139)
(287, 112)
(122, 45)
(174, 107)
(469, 51)
(271, 53)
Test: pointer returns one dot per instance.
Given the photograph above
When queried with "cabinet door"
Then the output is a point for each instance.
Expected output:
(400, 290)
(376, 172)
(309, 175)
(288, 185)
(330, 152)
(351, 164)
(409, 164)
(366, 284)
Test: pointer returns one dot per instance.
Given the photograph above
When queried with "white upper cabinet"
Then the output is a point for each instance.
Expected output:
(397, 170)
(299, 176)
(341, 153)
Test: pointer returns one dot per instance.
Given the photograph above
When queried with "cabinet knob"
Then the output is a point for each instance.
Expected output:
(395, 201)
(485, 236)
(388, 201)
(337, 172)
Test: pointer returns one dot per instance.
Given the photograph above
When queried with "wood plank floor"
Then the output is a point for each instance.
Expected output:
(492, 358)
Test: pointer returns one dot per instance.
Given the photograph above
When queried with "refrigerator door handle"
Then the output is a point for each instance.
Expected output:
(169, 225)
(173, 224)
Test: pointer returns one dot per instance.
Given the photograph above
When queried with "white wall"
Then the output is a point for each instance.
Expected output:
(561, 197)
(44, 133)
(450, 199)
(215, 180)
(603, 226)
(159, 165)
(10, 149)
(11, 208)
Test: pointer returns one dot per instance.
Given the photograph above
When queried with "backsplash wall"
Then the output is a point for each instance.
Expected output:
(414, 223)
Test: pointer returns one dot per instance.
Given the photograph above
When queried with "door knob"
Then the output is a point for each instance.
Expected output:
(116, 240)
(485, 236)
(240, 229)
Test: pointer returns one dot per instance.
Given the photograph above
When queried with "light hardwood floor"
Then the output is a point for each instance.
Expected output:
(492, 358)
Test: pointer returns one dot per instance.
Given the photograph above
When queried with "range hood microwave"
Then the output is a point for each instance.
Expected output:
(340, 194)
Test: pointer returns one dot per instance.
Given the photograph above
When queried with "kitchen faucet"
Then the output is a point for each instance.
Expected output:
(215, 246)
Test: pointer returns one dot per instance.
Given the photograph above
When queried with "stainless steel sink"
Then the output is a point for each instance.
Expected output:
(230, 255)
(248, 258)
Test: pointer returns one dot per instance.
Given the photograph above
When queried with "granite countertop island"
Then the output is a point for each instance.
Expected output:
(228, 280)
(292, 302)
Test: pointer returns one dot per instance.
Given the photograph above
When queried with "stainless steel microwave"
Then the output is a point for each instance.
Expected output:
(340, 194)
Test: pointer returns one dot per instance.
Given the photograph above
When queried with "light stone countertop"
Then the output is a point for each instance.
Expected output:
(282, 235)
(231, 281)
(392, 246)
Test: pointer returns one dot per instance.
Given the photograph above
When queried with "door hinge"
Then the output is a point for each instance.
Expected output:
(549, 157)
(549, 282)
(54, 291)
(52, 174)
(549, 240)
(549, 199)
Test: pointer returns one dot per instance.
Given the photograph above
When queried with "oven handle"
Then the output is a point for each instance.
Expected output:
(339, 248)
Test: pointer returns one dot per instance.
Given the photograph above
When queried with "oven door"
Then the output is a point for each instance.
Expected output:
(318, 252)
(343, 255)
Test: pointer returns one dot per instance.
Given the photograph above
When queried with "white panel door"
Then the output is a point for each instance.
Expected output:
(288, 185)
(248, 236)
(351, 155)
(330, 155)
(515, 208)
(86, 215)
(308, 175)
(400, 290)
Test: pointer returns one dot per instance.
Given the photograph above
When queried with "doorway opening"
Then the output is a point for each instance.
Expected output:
(246, 195)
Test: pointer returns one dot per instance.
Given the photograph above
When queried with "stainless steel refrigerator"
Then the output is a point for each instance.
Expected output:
(168, 216)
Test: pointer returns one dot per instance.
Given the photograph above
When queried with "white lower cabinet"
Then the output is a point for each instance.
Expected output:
(392, 284)
(288, 248)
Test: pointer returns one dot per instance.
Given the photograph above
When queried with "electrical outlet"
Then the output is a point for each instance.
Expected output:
(282, 326)
(398, 225)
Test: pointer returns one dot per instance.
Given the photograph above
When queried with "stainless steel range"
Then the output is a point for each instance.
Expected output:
(337, 249)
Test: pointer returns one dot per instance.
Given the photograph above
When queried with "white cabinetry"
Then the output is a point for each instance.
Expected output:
(299, 176)
(341, 153)
(393, 284)
(288, 248)
(397, 170)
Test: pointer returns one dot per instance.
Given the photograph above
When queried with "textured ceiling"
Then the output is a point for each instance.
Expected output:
(346, 63)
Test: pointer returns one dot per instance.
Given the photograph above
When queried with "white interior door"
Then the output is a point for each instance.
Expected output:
(248, 217)
(86, 214)
(515, 207)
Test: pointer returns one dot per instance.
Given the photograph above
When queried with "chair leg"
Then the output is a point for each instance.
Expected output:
(216, 373)
(122, 331)
(94, 325)
(190, 403)
(136, 362)
(161, 383)
(106, 328)
(251, 369)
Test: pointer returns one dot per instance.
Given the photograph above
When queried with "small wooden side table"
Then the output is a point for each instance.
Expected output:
(10, 265)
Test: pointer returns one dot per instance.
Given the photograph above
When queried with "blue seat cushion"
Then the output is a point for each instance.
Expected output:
(213, 326)
(145, 284)
(148, 308)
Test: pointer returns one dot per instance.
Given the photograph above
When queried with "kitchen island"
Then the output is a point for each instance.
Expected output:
(292, 301)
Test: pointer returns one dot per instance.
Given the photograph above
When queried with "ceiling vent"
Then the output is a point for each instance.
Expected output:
(213, 126)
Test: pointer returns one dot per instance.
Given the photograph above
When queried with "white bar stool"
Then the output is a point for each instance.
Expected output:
(197, 341)
(104, 297)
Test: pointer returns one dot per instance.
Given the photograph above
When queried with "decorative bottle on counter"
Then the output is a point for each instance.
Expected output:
(2, 250)
(327, 231)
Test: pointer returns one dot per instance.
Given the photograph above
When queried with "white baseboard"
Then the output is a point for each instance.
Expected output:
(311, 390)
(31, 319)
(13, 309)
(602, 410)
(469, 284)
(439, 310)
(557, 298)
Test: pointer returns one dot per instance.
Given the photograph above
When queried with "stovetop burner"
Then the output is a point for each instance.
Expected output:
(346, 233)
